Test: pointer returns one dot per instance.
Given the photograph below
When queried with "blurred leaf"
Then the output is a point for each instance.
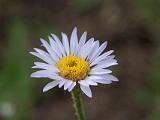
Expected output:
(149, 10)
(16, 83)
(82, 5)
(149, 97)
(44, 31)
(155, 88)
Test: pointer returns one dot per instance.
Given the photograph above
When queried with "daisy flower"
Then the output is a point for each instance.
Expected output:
(70, 62)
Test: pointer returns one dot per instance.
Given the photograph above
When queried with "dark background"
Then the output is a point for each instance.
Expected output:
(131, 27)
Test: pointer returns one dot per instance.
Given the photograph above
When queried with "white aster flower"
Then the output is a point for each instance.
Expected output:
(72, 62)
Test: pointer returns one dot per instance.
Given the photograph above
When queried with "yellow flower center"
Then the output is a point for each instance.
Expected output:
(73, 68)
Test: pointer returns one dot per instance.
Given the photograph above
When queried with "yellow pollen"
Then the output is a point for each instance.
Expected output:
(73, 68)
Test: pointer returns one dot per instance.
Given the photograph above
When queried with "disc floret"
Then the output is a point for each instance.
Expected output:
(73, 68)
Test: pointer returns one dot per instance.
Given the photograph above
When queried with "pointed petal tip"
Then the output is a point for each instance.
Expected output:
(85, 32)
(33, 67)
(42, 40)
(116, 79)
(49, 37)
(53, 36)
(31, 53)
(50, 85)
(62, 33)
(35, 49)
(111, 51)
(44, 90)
(113, 78)
(90, 96)
(116, 63)
(105, 43)
(75, 28)
(86, 90)
(32, 75)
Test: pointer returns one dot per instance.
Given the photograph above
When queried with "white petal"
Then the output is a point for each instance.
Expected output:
(101, 48)
(103, 81)
(56, 77)
(82, 40)
(50, 85)
(65, 42)
(67, 84)
(99, 71)
(44, 57)
(50, 50)
(94, 51)
(42, 73)
(107, 63)
(101, 57)
(83, 82)
(92, 77)
(45, 54)
(74, 41)
(86, 90)
(59, 44)
(110, 57)
(99, 51)
(54, 46)
(110, 77)
(45, 66)
(61, 83)
(91, 82)
(46, 74)
(71, 87)
(87, 48)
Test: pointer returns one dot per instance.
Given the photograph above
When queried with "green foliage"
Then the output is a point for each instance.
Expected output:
(149, 97)
(149, 10)
(82, 5)
(43, 31)
(155, 89)
(15, 87)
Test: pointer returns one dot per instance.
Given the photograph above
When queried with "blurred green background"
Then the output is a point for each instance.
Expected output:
(132, 29)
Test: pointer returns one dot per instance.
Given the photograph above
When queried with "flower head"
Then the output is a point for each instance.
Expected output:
(71, 61)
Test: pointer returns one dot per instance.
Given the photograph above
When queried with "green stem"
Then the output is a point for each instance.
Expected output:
(77, 103)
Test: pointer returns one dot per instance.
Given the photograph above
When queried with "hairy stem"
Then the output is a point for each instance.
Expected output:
(77, 103)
